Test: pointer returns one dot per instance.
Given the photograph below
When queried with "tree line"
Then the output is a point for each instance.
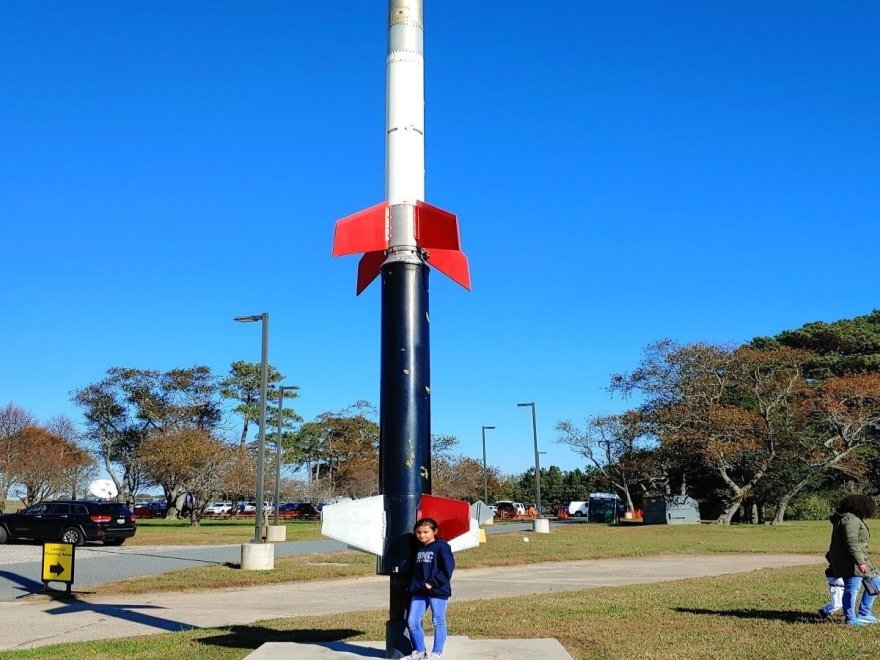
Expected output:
(746, 430)
(149, 429)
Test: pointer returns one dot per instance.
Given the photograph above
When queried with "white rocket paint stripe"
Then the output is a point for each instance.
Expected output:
(405, 118)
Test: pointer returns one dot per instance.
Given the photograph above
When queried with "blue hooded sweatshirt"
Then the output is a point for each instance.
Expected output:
(432, 564)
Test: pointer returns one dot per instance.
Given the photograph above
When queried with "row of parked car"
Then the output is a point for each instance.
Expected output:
(508, 509)
(288, 511)
(79, 521)
(70, 521)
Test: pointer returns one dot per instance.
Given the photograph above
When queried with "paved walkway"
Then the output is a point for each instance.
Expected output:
(38, 621)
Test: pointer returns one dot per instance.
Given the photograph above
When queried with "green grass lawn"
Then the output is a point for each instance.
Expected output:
(575, 541)
(763, 614)
(155, 531)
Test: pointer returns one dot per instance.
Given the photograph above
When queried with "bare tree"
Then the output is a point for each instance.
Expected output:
(610, 443)
(13, 420)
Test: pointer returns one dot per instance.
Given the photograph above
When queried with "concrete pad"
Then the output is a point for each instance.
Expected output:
(457, 648)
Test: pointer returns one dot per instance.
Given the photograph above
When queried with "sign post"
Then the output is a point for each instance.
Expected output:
(58, 562)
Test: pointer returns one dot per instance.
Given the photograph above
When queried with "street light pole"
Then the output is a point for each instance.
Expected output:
(537, 460)
(485, 472)
(261, 445)
(281, 391)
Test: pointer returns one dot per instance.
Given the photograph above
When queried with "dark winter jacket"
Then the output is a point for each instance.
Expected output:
(432, 564)
(849, 546)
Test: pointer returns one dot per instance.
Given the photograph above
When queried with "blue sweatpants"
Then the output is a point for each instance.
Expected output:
(438, 617)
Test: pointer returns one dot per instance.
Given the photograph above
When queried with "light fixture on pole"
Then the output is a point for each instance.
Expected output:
(281, 391)
(485, 472)
(261, 445)
(537, 461)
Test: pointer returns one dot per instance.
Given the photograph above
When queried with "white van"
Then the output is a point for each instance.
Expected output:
(578, 509)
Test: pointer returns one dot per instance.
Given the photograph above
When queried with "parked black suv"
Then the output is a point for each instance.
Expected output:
(70, 521)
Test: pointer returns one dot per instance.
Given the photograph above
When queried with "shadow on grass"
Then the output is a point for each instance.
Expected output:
(774, 615)
(71, 604)
(252, 637)
(157, 555)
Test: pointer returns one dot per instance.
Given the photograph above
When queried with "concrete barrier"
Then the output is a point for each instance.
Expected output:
(276, 533)
(542, 526)
(257, 556)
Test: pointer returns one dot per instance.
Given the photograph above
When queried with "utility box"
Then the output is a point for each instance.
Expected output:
(670, 510)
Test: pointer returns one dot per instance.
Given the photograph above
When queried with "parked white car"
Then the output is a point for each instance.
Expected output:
(218, 508)
(251, 507)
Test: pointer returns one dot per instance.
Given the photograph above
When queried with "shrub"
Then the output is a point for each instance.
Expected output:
(811, 507)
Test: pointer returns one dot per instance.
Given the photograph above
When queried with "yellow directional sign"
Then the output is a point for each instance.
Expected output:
(58, 562)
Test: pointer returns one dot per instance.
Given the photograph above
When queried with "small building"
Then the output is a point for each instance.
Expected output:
(603, 508)
(670, 510)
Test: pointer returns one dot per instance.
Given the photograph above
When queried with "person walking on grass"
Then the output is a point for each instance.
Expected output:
(835, 595)
(848, 556)
(430, 586)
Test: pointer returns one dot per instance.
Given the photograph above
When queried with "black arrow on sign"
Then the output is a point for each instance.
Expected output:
(57, 569)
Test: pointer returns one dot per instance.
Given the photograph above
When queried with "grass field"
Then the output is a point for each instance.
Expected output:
(573, 541)
(154, 531)
(763, 614)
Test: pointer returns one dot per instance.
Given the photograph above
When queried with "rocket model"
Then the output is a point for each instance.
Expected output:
(400, 238)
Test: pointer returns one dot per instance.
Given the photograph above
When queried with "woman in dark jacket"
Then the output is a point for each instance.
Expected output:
(848, 556)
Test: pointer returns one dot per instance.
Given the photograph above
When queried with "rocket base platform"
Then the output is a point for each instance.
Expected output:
(457, 647)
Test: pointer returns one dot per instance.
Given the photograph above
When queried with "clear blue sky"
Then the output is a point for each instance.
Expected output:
(622, 172)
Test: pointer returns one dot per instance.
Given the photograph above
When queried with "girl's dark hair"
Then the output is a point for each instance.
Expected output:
(858, 505)
(430, 522)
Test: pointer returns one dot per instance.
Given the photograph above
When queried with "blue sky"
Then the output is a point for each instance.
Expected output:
(622, 173)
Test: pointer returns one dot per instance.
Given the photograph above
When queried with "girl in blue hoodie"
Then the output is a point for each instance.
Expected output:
(432, 568)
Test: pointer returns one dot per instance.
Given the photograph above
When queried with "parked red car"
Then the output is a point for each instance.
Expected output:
(151, 510)
(298, 511)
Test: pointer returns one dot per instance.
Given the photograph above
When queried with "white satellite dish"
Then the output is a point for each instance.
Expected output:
(103, 488)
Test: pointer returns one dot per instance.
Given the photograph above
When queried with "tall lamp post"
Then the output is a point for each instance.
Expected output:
(261, 445)
(537, 461)
(485, 472)
(281, 390)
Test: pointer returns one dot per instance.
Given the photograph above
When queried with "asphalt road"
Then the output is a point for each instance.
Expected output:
(21, 565)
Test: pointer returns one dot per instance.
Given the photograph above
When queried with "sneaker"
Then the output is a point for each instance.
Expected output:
(868, 618)
(434, 656)
(858, 622)
(417, 655)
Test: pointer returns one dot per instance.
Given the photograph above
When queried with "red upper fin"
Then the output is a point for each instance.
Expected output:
(436, 231)
(436, 228)
(364, 231)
